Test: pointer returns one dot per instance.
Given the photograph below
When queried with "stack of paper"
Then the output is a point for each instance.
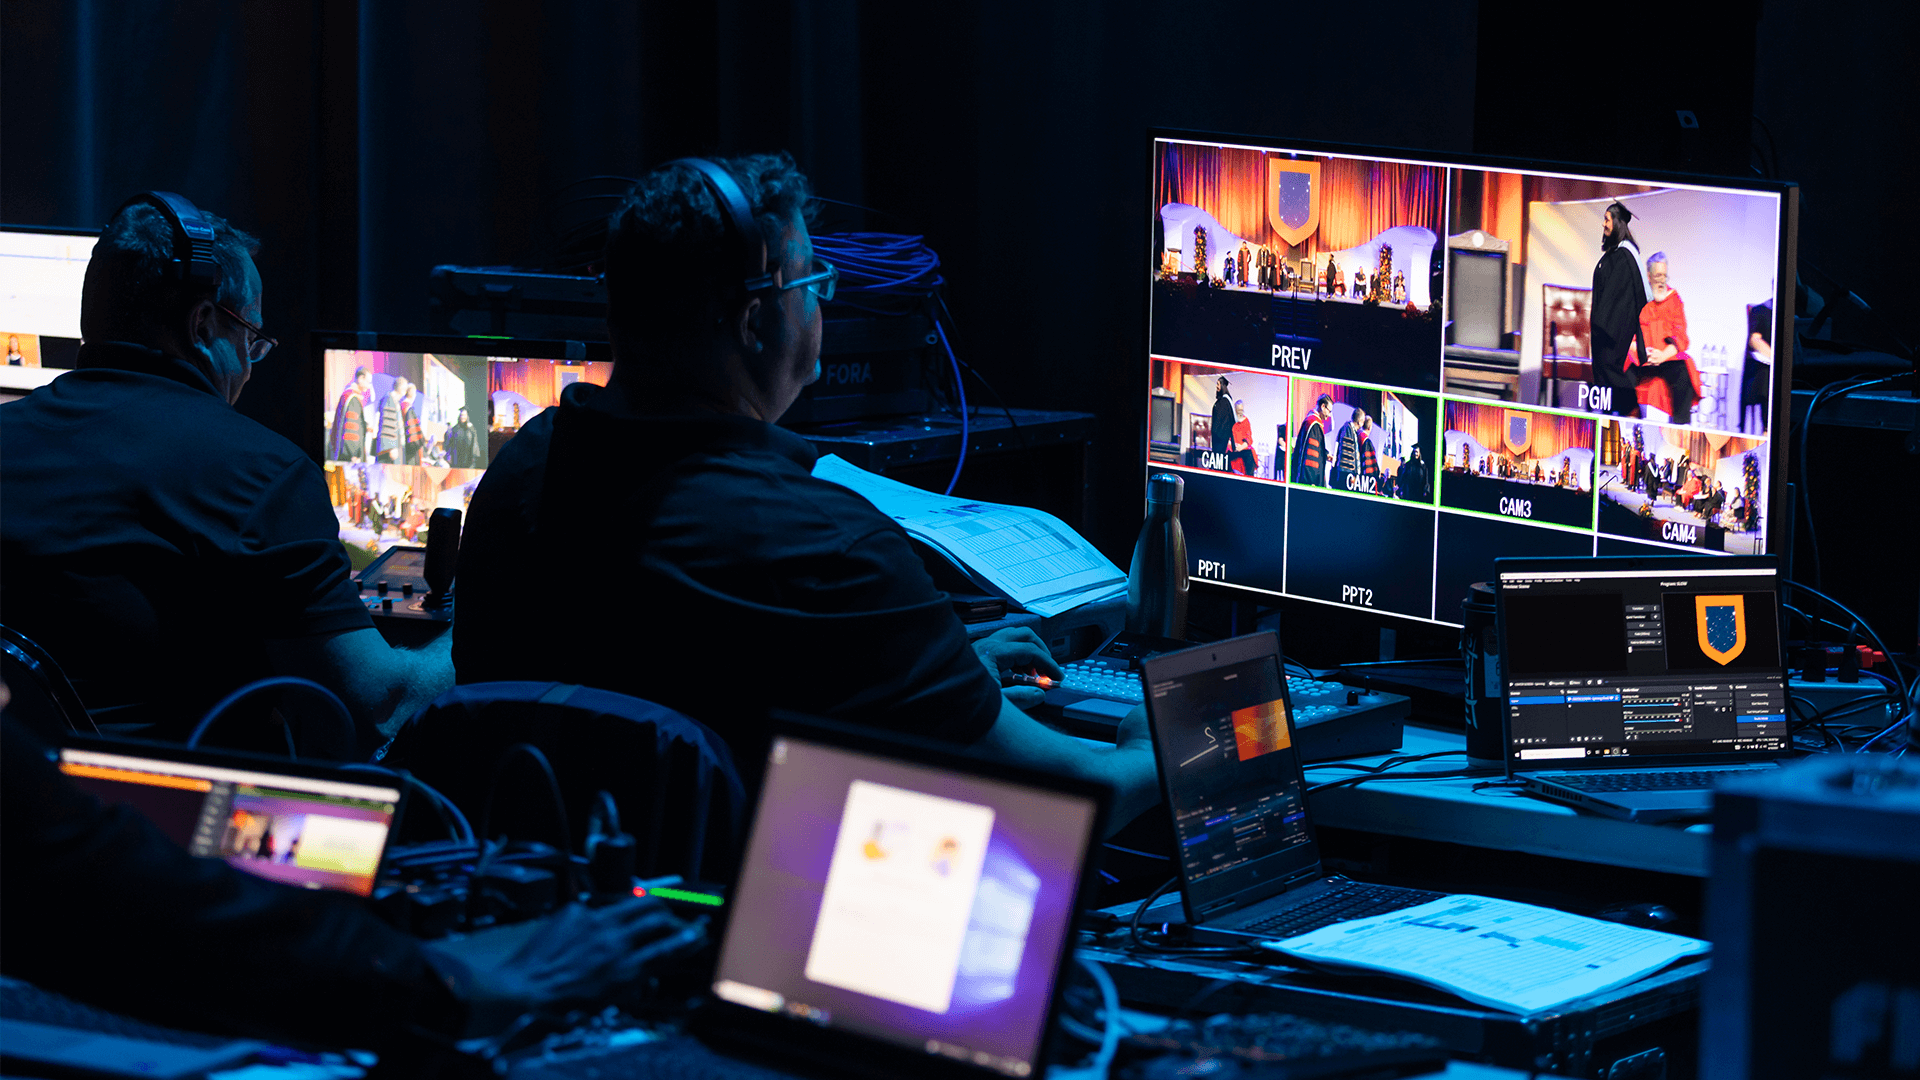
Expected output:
(1514, 957)
(1030, 557)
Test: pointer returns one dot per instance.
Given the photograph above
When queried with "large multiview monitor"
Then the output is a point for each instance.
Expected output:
(42, 272)
(409, 423)
(1378, 371)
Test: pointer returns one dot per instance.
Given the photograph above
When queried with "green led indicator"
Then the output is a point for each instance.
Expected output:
(492, 337)
(686, 897)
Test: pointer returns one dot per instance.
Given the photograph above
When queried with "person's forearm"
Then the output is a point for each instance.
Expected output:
(426, 673)
(1128, 769)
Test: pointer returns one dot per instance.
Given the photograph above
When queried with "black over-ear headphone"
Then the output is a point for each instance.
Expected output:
(193, 263)
(737, 213)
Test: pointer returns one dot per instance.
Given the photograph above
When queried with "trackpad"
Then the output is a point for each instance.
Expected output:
(1099, 710)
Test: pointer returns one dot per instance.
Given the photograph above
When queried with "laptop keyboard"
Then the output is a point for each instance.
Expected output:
(1644, 781)
(1351, 900)
(30, 1004)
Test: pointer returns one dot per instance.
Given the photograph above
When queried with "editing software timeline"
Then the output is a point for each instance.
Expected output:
(1617, 663)
(1380, 370)
(1234, 777)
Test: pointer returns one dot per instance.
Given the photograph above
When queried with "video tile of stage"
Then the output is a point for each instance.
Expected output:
(1298, 263)
(409, 433)
(1523, 250)
(1679, 485)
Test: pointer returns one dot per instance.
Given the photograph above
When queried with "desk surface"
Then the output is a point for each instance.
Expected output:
(1450, 810)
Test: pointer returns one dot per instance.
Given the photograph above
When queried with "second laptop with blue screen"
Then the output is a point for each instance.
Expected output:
(1250, 865)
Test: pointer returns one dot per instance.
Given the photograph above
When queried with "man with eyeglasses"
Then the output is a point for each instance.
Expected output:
(659, 536)
(166, 549)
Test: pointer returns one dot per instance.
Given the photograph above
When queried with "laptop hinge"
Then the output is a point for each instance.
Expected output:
(1312, 873)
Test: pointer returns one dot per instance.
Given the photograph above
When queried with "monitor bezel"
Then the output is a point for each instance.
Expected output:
(784, 1034)
(320, 342)
(1777, 516)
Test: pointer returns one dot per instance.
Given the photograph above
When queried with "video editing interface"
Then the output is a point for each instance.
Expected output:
(912, 904)
(1231, 774)
(320, 834)
(1610, 664)
(411, 432)
(41, 275)
(1378, 375)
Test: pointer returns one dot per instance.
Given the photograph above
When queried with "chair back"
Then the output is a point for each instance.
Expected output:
(671, 777)
(43, 699)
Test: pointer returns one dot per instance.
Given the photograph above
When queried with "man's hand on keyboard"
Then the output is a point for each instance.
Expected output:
(1019, 649)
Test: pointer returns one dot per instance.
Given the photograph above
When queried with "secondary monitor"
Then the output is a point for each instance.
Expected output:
(409, 423)
(1390, 368)
(42, 272)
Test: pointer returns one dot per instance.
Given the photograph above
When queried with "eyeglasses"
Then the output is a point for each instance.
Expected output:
(821, 283)
(258, 343)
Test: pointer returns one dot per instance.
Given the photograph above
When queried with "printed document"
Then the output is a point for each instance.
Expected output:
(899, 895)
(1028, 556)
(1513, 957)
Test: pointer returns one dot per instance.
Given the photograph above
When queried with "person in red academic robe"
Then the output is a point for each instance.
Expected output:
(1668, 380)
(1244, 461)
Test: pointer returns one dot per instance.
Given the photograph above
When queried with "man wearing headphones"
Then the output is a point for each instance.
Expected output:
(162, 547)
(734, 580)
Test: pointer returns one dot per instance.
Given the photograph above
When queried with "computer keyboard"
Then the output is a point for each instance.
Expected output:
(1093, 678)
(27, 1003)
(1646, 781)
(1352, 900)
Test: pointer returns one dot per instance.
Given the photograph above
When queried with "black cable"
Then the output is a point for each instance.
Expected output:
(1900, 677)
(1829, 392)
(1140, 941)
(553, 788)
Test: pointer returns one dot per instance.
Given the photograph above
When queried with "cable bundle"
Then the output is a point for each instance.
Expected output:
(882, 273)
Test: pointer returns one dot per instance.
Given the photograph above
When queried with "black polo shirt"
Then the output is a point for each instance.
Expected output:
(696, 562)
(153, 539)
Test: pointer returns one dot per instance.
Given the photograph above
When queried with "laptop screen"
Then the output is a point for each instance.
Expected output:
(300, 830)
(907, 903)
(1230, 773)
(1608, 660)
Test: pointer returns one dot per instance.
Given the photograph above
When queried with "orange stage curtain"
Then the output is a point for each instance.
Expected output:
(1553, 434)
(531, 379)
(1358, 199)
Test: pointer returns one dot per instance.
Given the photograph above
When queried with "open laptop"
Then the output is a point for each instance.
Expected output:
(901, 909)
(301, 823)
(315, 826)
(1249, 862)
(1634, 685)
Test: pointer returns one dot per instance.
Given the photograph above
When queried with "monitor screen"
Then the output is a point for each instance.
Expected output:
(300, 830)
(41, 275)
(409, 423)
(1394, 369)
(1232, 778)
(906, 903)
(1603, 664)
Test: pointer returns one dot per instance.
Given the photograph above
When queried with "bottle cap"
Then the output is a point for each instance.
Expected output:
(1165, 487)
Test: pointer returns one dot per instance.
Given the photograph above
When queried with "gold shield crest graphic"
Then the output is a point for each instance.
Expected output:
(1722, 623)
(1519, 431)
(1293, 198)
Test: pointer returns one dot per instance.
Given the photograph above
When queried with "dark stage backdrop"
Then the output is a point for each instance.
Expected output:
(366, 141)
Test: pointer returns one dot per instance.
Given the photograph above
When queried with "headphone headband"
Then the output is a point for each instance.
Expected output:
(736, 211)
(193, 263)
